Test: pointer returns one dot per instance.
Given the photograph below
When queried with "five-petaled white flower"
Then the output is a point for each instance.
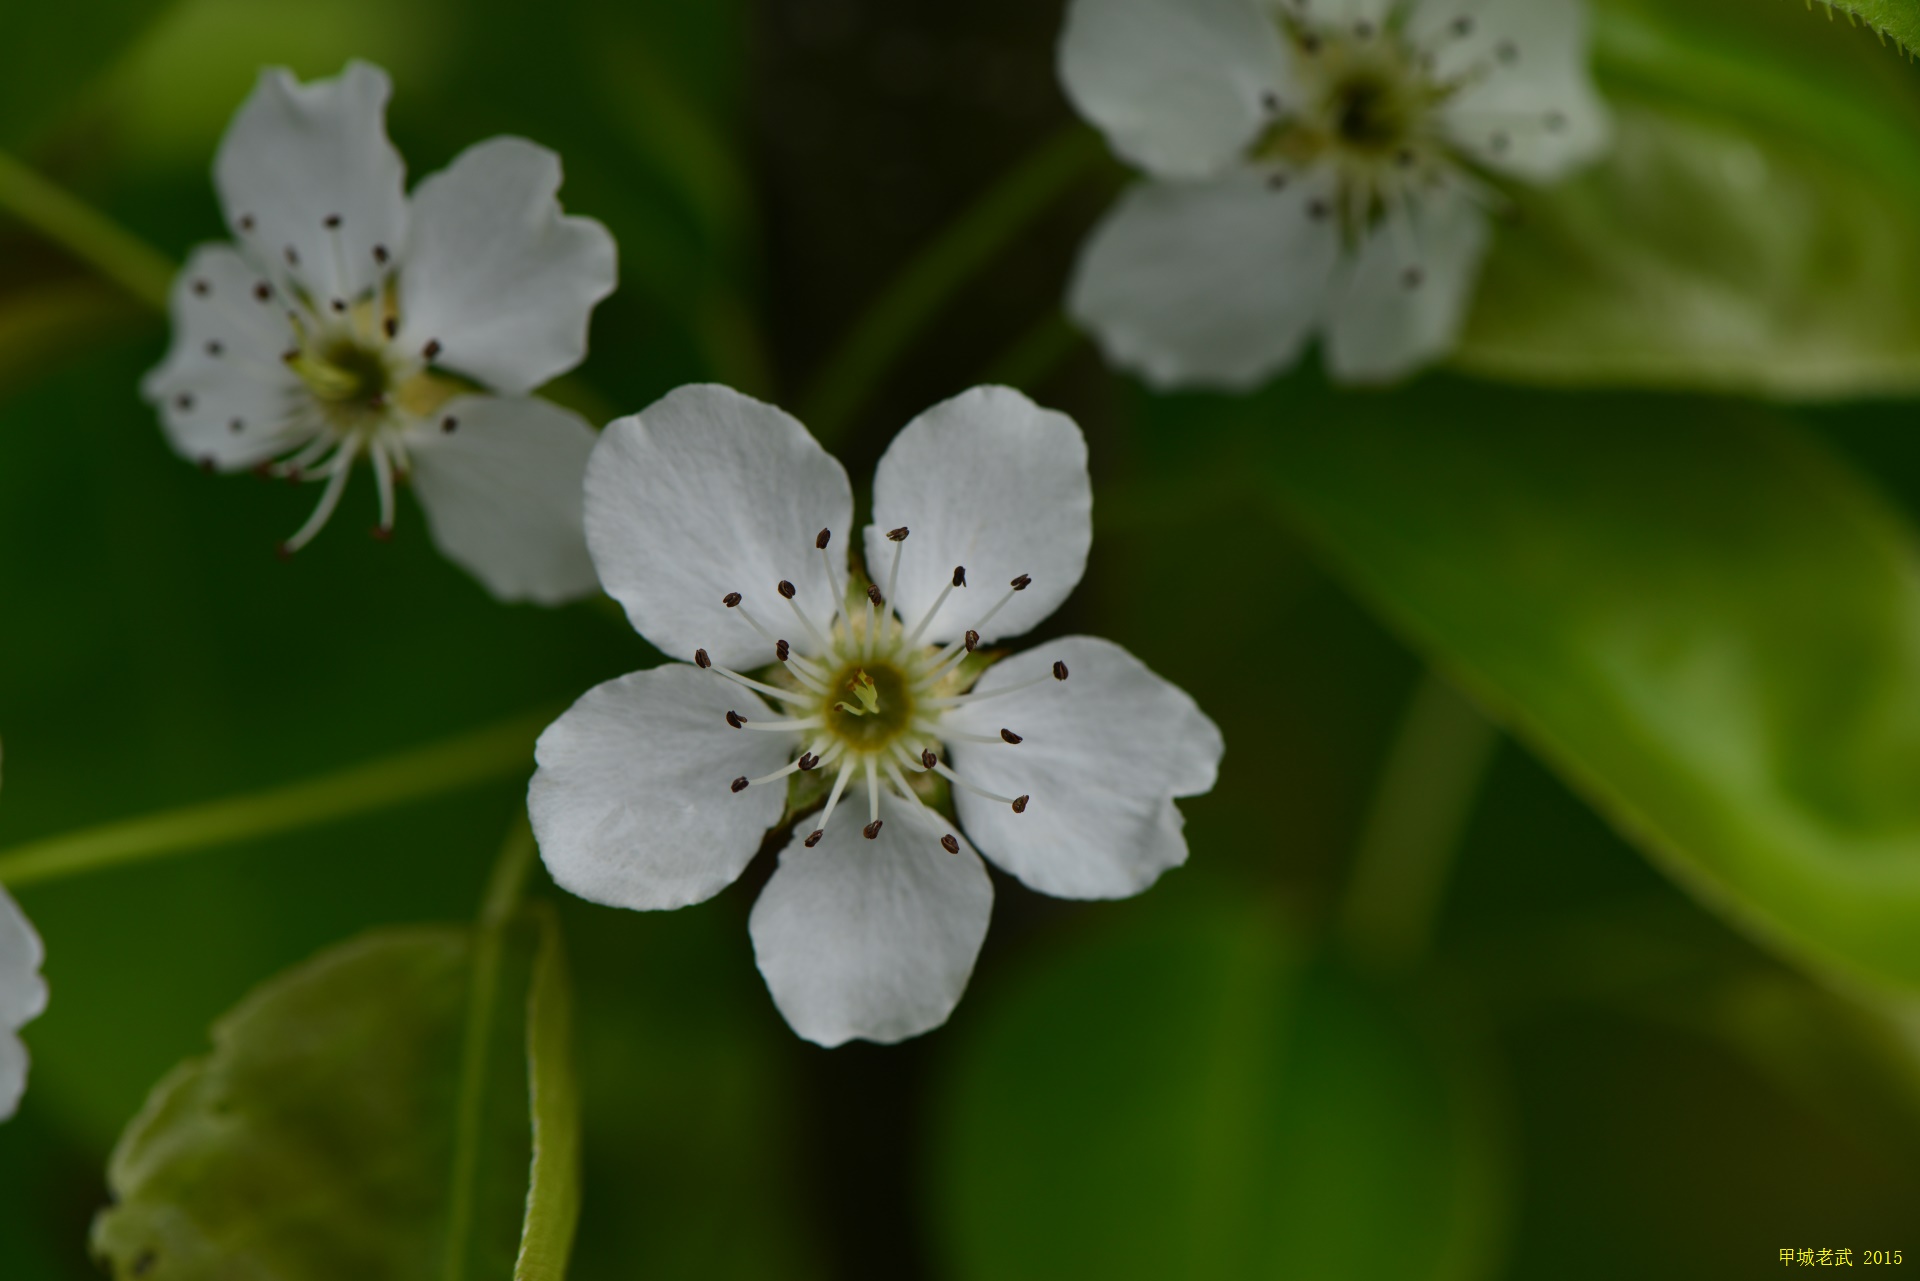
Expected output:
(23, 995)
(1321, 166)
(349, 320)
(720, 523)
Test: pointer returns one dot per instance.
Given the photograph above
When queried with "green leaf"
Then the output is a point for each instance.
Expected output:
(1753, 228)
(318, 1138)
(52, 52)
(553, 1193)
(1895, 20)
(1197, 1099)
(1702, 620)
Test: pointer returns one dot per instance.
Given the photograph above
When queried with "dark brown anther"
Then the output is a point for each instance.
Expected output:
(449, 424)
(201, 288)
(959, 575)
(973, 641)
(873, 594)
(814, 839)
(381, 533)
(246, 222)
(730, 599)
(292, 256)
(1021, 583)
(1463, 27)
(1277, 182)
(1507, 51)
(1271, 101)
(390, 326)
(808, 761)
(786, 589)
(237, 426)
(1412, 277)
(735, 719)
(897, 535)
(380, 254)
(214, 347)
(826, 536)
(1318, 210)
(872, 830)
(949, 844)
(339, 306)
(432, 348)
(927, 758)
(781, 649)
(1010, 736)
(1059, 671)
(262, 291)
(331, 222)
(740, 784)
(1020, 804)
(184, 401)
(700, 659)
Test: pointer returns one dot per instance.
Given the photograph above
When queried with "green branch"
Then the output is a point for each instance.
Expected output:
(916, 295)
(86, 233)
(456, 763)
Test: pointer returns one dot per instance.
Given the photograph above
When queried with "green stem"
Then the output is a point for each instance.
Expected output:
(85, 233)
(455, 763)
(504, 887)
(941, 268)
(1418, 814)
(1035, 355)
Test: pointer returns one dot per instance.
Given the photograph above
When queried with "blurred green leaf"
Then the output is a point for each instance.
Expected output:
(1753, 229)
(52, 51)
(316, 1139)
(1703, 620)
(1198, 1100)
(553, 1193)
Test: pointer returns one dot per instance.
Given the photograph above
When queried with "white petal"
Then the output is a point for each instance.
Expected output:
(297, 155)
(225, 367)
(1381, 327)
(632, 802)
(708, 492)
(871, 939)
(1178, 86)
(991, 482)
(23, 993)
(1531, 87)
(1103, 755)
(496, 274)
(13, 1073)
(1212, 285)
(502, 494)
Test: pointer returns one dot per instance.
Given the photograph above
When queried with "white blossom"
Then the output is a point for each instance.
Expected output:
(349, 321)
(720, 523)
(23, 995)
(1317, 167)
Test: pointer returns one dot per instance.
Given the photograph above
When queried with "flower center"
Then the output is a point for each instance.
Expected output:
(865, 698)
(1371, 112)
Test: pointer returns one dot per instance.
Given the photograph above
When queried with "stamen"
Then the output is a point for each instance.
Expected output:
(899, 539)
(959, 580)
(740, 784)
(738, 721)
(973, 641)
(1059, 673)
(1011, 737)
(329, 499)
(833, 583)
(748, 682)
(833, 799)
(383, 483)
(873, 799)
(731, 600)
(787, 589)
(949, 844)
(781, 650)
(872, 830)
(1019, 803)
(701, 660)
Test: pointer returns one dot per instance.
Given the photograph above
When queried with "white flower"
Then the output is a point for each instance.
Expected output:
(1320, 169)
(719, 524)
(23, 995)
(350, 321)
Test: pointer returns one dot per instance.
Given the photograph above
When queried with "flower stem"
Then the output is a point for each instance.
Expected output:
(447, 766)
(504, 887)
(905, 306)
(1413, 827)
(85, 232)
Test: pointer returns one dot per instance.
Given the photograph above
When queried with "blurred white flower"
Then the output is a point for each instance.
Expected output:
(718, 522)
(23, 995)
(349, 321)
(1318, 166)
